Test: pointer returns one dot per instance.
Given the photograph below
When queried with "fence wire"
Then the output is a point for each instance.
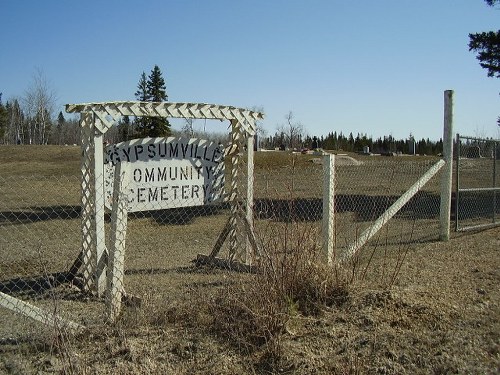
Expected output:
(477, 183)
(41, 234)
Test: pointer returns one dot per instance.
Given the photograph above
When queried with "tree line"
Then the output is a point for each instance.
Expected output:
(350, 143)
(29, 119)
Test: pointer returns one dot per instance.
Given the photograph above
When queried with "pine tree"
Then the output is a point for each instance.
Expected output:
(153, 90)
(158, 127)
(142, 95)
(156, 86)
(487, 46)
(124, 128)
(142, 89)
(61, 121)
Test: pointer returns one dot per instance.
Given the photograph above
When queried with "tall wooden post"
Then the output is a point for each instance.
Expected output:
(234, 194)
(328, 229)
(99, 231)
(87, 201)
(446, 177)
(249, 201)
(116, 257)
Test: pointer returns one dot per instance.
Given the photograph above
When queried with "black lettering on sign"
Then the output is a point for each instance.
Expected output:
(162, 149)
(205, 154)
(174, 150)
(163, 193)
(162, 174)
(183, 173)
(184, 190)
(138, 150)
(140, 195)
(209, 171)
(174, 177)
(196, 153)
(216, 155)
(195, 191)
(151, 151)
(149, 175)
(199, 170)
(175, 191)
(137, 175)
(127, 153)
(153, 194)
(184, 150)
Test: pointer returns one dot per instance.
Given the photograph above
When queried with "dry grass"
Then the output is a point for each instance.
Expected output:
(406, 304)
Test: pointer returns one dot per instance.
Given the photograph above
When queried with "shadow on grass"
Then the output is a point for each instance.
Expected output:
(35, 286)
(37, 213)
(423, 205)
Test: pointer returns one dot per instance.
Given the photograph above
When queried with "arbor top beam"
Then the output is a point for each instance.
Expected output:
(115, 110)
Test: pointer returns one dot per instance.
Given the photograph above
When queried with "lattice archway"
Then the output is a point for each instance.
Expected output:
(97, 118)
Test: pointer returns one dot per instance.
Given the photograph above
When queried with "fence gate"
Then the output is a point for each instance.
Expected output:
(477, 203)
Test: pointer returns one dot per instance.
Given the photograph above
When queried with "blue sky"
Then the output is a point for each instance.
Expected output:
(374, 67)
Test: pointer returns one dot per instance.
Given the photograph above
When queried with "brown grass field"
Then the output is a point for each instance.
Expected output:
(406, 304)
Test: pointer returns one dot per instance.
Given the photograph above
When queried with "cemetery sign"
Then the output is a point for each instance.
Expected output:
(161, 173)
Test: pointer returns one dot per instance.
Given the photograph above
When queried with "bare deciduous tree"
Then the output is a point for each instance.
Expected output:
(188, 127)
(39, 102)
(293, 131)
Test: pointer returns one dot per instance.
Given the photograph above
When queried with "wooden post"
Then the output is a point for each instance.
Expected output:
(328, 230)
(116, 257)
(446, 178)
(38, 314)
(87, 195)
(249, 256)
(99, 232)
(234, 194)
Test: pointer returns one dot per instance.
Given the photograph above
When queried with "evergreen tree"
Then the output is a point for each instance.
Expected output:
(142, 95)
(60, 128)
(487, 46)
(142, 89)
(124, 129)
(156, 86)
(152, 89)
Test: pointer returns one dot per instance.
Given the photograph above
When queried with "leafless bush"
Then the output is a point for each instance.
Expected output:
(293, 281)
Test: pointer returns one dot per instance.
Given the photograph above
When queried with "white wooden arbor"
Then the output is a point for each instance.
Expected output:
(97, 118)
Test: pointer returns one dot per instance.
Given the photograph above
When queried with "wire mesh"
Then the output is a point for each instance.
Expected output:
(477, 182)
(39, 244)
(151, 250)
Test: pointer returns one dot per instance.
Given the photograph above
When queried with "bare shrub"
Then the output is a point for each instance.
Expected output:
(293, 281)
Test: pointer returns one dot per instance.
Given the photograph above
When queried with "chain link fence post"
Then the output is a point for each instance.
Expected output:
(446, 177)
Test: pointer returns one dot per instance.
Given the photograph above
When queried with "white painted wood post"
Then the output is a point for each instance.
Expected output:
(249, 256)
(116, 257)
(446, 177)
(87, 188)
(328, 228)
(234, 193)
(99, 234)
(20, 307)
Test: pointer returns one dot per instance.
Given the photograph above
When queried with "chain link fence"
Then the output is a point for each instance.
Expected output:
(477, 183)
(40, 239)
(365, 188)
(150, 252)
